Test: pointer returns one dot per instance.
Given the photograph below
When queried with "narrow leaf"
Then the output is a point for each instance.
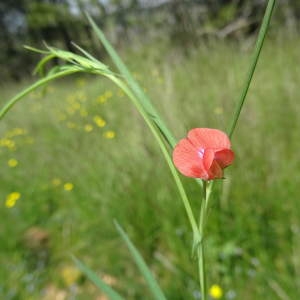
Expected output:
(74, 58)
(92, 276)
(138, 91)
(32, 87)
(41, 65)
(36, 50)
(88, 55)
(153, 285)
(259, 44)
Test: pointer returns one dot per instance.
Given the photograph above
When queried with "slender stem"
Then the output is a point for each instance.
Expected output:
(258, 47)
(153, 128)
(155, 132)
(201, 266)
(31, 88)
(201, 257)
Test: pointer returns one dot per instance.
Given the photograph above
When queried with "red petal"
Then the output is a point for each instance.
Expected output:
(215, 171)
(208, 158)
(209, 138)
(224, 157)
(188, 161)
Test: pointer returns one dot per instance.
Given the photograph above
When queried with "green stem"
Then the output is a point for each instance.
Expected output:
(258, 47)
(36, 85)
(155, 132)
(140, 108)
(201, 257)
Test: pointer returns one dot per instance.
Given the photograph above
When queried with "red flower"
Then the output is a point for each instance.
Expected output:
(203, 154)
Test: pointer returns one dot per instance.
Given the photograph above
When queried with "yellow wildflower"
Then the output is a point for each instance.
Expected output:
(101, 99)
(8, 143)
(88, 128)
(109, 134)
(68, 186)
(76, 106)
(56, 181)
(16, 132)
(12, 162)
(11, 199)
(216, 291)
(99, 121)
(70, 275)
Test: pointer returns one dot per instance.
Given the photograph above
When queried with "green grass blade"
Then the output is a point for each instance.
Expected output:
(39, 69)
(151, 113)
(154, 287)
(88, 55)
(77, 59)
(138, 91)
(92, 276)
(34, 86)
(259, 43)
(36, 50)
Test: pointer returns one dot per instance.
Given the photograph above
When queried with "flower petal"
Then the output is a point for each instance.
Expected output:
(203, 138)
(188, 161)
(224, 157)
(208, 158)
(215, 171)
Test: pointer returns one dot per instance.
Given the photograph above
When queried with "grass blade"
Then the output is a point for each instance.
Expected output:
(76, 59)
(92, 276)
(88, 55)
(166, 154)
(150, 116)
(39, 69)
(154, 287)
(259, 43)
(138, 91)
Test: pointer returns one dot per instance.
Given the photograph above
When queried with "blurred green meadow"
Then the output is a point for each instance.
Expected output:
(77, 155)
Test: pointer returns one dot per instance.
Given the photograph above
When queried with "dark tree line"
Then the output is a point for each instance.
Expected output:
(183, 22)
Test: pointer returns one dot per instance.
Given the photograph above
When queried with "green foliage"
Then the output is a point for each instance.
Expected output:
(144, 106)
(112, 294)
(255, 241)
(150, 280)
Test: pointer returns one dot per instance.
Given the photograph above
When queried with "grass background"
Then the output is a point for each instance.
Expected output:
(253, 232)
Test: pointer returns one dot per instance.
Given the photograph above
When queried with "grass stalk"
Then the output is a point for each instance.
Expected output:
(33, 87)
(259, 44)
(201, 257)
(156, 133)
